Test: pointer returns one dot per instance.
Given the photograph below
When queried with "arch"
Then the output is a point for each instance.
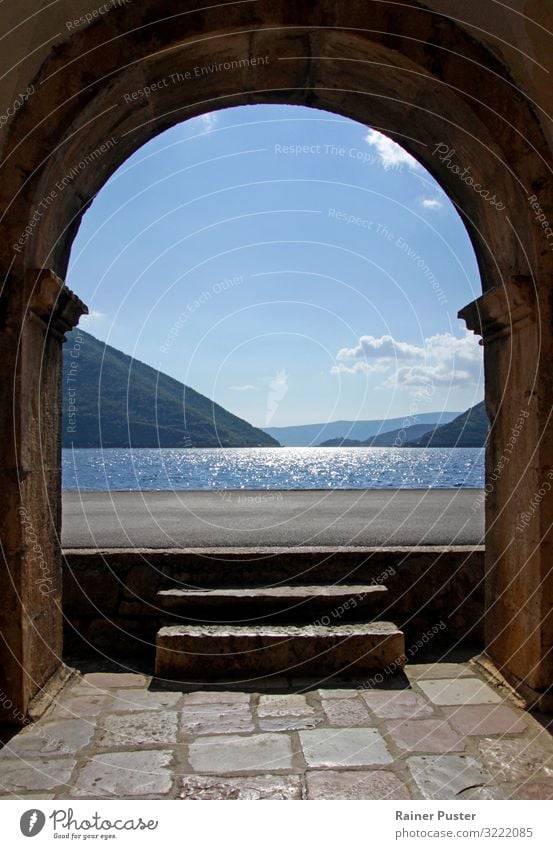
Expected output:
(405, 69)
(413, 75)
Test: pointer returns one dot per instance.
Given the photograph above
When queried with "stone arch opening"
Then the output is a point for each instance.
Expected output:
(181, 150)
(187, 149)
(416, 76)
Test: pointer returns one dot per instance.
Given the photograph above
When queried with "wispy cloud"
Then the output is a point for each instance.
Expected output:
(431, 203)
(391, 154)
(208, 121)
(93, 317)
(246, 387)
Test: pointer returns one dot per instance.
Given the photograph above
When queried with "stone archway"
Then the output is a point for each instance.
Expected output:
(112, 83)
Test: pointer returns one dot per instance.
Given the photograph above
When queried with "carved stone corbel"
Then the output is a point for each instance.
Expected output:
(501, 310)
(53, 304)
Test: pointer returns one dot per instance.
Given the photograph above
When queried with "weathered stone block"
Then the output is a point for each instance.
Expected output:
(251, 787)
(339, 747)
(125, 775)
(358, 784)
(138, 729)
(221, 651)
(255, 753)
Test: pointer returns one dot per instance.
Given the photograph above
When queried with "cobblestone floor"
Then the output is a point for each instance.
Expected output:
(440, 732)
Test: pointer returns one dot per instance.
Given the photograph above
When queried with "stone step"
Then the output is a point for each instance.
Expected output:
(315, 604)
(204, 652)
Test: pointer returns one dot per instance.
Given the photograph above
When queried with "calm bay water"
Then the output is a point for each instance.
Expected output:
(272, 468)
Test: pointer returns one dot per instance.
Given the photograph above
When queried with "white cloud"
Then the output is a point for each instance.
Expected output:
(431, 203)
(445, 345)
(439, 375)
(246, 387)
(391, 154)
(371, 347)
(443, 360)
(91, 318)
(360, 367)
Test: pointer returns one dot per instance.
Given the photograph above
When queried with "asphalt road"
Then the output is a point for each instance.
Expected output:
(254, 518)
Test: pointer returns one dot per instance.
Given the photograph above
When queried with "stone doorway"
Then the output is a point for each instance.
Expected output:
(415, 75)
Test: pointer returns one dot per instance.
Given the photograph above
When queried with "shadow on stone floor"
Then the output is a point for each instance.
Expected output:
(393, 680)
(399, 681)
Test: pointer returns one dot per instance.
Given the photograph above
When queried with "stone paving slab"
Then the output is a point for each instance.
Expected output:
(250, 787)
(117, 774)
(337, 693)
(517, 759)
(293, 704)
(397, 704)
(357, 784)
(485, 719)
(425, 735)
(445, 776)
(289, 723)
(80, 707)
(38, 774)
(138, 729)
(449, 734)
(346, 713)
(142, 700)
(459, 691)
(217, 697)
(435, 671)
(254, 753)
(216, 718)
(63, 737)
(344, 747)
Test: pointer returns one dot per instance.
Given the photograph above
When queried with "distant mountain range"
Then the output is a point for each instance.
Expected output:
(398, 437)
(316, 434)
(114, 401)
(469, 430)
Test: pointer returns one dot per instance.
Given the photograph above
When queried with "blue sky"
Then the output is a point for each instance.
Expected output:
(292, 265)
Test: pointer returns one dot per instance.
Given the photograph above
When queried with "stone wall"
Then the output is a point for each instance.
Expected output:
(110, 607)
(474, 76)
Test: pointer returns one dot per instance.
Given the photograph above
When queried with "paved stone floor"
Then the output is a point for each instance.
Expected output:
(440, 732)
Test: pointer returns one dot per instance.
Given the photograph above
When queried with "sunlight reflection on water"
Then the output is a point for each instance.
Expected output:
(272, 468)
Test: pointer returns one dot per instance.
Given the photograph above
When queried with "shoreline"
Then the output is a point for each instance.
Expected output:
(222, 491)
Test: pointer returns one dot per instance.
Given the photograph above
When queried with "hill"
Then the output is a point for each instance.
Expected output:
(397, 437)
(469, 430)
(315, 434)
(114, 401)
